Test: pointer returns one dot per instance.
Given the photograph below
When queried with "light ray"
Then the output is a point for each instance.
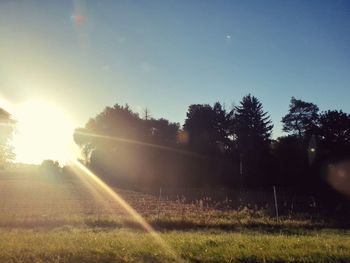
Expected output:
(97, 194)
(131, 211)
(142, 144)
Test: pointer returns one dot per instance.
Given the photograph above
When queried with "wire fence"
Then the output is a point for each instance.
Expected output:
(284, 202)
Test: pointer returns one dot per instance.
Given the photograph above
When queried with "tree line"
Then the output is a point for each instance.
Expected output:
(216, 146)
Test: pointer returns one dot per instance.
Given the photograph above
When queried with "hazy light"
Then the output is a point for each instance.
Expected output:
(78, 20)
(183, 137)
(338, 176)
(79, 12)
(43, 131)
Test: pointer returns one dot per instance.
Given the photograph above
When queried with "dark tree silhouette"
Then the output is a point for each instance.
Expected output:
(253, 130)
(217, 147)
(334, 128)
(7, 127)
(333, 151)
(222, 122)
(200, 127)
(162, 132)
(127, 149)
(117, 121)
(208, 131)
(290, 162)
(207, 128)
(333, 141)
(302, 118)
(146, 114)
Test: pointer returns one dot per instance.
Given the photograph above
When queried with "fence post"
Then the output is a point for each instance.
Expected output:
(276, 205)
(159, 200)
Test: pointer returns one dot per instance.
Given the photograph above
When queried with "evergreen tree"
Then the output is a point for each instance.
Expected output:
(253, 131)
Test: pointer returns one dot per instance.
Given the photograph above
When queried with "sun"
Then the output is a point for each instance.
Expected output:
(43, 132)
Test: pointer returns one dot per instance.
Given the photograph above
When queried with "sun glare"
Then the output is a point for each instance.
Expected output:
(43, 132)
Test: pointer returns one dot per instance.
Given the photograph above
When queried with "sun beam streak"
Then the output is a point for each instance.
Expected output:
(141, 143)
(97, 194)
(131, 211)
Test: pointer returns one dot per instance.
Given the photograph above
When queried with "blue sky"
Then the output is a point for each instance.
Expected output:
(165, 55)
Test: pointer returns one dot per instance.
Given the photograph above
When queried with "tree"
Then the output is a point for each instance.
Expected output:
(334, 128)
(120, 123)
(50, 167)
(253, 131)
(290, 162)
(222, 121)
(332, 156)
(124, 148)
(117, 121)
(162, 132)
(301, 118)
(85, 141)
(253, 126)
(7, 127)
(146, 114)
(102, 132)
(207, 127)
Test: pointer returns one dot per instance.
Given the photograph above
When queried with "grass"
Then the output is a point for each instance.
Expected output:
(122, 245)
(51, 219)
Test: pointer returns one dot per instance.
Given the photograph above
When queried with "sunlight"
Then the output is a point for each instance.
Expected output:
(81, 170)
(43, 132)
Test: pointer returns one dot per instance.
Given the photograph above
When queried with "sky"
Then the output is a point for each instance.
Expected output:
(166, 55)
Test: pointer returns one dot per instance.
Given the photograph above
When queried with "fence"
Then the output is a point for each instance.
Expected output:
(288, 202)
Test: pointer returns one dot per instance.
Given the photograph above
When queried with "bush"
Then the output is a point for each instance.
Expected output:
(50, 167)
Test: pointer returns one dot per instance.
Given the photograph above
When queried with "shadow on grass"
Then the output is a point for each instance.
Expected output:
(232, 227)
(185, 225)
(285, 227)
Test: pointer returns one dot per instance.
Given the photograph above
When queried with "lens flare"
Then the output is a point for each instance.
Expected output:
(79, 20)
(132, 212)
(141, 143)
(338, 176)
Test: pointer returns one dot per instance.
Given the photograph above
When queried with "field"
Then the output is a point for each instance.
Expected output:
(56, 218)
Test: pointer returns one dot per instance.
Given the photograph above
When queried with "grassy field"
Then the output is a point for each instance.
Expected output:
(50, 218)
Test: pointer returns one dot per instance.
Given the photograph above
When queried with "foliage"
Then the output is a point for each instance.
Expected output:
(50, 166)
(253, 125)
(290, 162)
(127, 149)
(334, 128)
(207, 127)
(217, 147)
(253, 130)
(301, 118)
(7, 127)
(120, 123)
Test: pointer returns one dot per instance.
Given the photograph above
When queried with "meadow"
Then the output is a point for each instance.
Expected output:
(54, 218)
